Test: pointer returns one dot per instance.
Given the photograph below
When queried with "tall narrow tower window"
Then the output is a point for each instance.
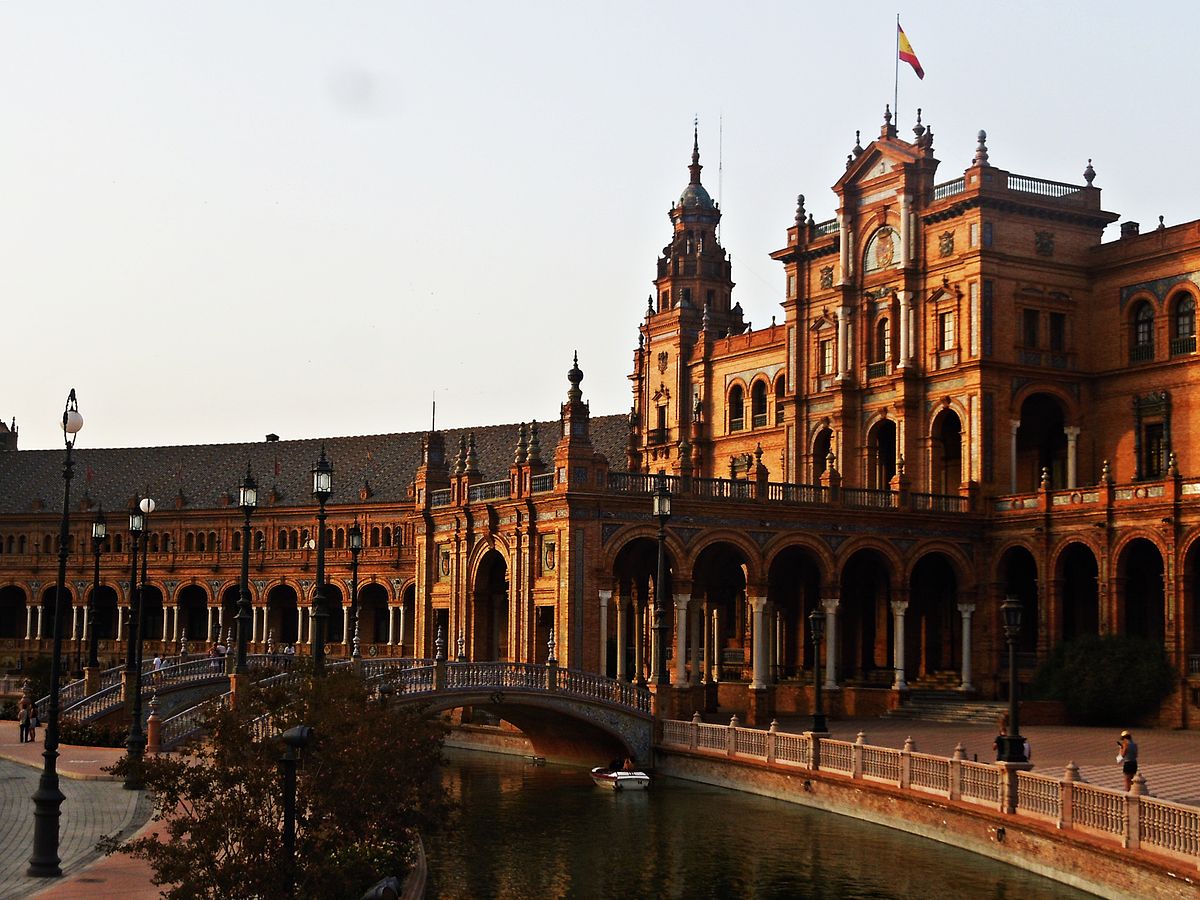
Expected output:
(758, 404)
(737, 408)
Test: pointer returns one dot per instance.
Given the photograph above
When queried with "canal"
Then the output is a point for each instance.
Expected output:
(527, 831)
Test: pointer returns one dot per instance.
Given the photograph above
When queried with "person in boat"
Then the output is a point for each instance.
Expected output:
(628, 766)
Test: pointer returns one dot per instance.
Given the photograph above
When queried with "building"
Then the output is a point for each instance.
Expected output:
(967, 396)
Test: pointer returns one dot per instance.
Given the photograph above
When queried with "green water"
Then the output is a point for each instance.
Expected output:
(529, 831)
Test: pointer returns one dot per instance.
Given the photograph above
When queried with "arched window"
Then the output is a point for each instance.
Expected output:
(260, 540)
(387, 536)
(47, 546)
(1142, 348)
(189, 542)
(339, 538)
(780, 388)
(283, 540)
(237, 541)
(21, 544)
(294, 540)
(758, 403)
(119, 543)
(737, 408)
(1184, 325)
(883, 340)
(375, 536)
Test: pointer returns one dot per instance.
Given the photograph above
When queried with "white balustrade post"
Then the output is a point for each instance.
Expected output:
(899, 608)
(831, 606)
(679, 679)
(759, 638)
(602, 660)
(966, 609)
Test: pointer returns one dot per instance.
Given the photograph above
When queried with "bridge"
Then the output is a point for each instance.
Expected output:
(566, 714)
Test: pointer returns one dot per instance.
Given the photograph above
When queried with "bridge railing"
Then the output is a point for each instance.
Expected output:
(600, 687)
(1132, 819)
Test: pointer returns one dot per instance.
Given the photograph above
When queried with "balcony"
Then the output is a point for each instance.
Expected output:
(1141, 353)
(1183, 345)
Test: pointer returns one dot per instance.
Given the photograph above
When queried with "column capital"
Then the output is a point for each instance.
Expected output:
(1072, 432)
(899, 607)
(758, 604)
(605, 597)
(966, 608)
(830, 604)
(1014, 425)
(681, 600)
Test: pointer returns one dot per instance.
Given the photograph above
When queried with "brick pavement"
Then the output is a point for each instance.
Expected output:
(1168, 760)
(95, 805)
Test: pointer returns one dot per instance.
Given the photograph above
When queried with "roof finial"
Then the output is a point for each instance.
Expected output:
(705, 320)
(858, 143)
(695, 167)
(575, 376)
(981, 153)
(887, 115)
(1089, 173)
(918, 129)
(1161, 226)
(800, 209)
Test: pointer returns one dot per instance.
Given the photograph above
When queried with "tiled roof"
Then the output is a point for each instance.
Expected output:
(206, 472)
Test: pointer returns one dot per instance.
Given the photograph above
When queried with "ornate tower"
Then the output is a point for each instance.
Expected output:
(693, 291)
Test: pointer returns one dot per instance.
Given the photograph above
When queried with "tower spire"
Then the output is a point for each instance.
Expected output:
(695, 167)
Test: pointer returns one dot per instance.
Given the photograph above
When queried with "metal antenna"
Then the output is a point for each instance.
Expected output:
(720, 164)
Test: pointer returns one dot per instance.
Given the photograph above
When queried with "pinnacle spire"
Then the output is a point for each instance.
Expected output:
(695, 167)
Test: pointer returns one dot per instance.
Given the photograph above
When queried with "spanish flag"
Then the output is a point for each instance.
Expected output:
(904, 48)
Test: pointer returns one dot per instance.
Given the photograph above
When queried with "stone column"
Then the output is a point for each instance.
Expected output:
(777, 648)
(120, 623)
(716, 644)
(681, 611)
(221, 618)
(1015, 425)
(391, 619)
(843, 250)
(639, 641)
(967, 609)
(902, 329)
(707, 646)
(831, 607)
(40, 610)
(758, 607)
(175, 623)
(299, 625)
(695, 635)
(843, 343)
(346, 635)
(622, 637)
(602, 662)
(28, 623)
(899, 608)
(1072, 432)
(905, 238)
(311, 629)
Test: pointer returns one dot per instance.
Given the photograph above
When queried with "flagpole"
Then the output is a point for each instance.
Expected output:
(896, 83)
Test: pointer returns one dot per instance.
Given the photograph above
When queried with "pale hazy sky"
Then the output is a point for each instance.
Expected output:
(229, 217)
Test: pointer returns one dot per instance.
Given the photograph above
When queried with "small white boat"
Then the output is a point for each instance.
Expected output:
(620, 780)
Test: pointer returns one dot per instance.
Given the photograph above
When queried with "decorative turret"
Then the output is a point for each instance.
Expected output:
(432, 474)
(574, 456)
(8, 436)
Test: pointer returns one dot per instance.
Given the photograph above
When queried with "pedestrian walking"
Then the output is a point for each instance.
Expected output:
(23, 722)
(1127, 757)
(158, 664)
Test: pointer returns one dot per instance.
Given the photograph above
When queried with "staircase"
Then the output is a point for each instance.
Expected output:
(948, 706)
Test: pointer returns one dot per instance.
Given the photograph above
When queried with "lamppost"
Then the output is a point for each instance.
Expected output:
(48, 798)
(816, 628)
(135, 741)
(247, 500)
(662, 511)
(355, 538)
(322, 481)
(295, 740)
(99, 533)
(1014, 744)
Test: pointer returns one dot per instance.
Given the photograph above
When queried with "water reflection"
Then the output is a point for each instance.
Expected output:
(544, 832)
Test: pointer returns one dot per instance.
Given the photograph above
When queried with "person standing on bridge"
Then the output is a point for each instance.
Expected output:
(23, 722)
(1127, 756)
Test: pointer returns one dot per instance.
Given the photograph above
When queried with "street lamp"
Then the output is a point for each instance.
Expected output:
(247, 500)
(48, 798)
(322, 481)
(295, 740)
(1014, 744)
(355, 537)
(662, 511)
(135, 741)
(99, 533)
(816, 628)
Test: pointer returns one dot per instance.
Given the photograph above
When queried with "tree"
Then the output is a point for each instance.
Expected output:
(367, 786)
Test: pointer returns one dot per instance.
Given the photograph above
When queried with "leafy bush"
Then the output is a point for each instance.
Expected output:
(92, 734)
(1106, 680)
(367, 785)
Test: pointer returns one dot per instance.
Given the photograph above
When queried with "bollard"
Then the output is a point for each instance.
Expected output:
(153, 728)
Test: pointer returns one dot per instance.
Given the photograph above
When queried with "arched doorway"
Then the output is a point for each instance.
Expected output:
(634, 570)
(406, 632)
(881, 455)
(1078, 574)
(1041, 443)
(47, 613)
(105, 613)
(1019, 574)
(152, 613)
(489, 609)
(821, 447)
(372, 615)
(336, 608)
(932, 629)
(192, 610)
(945, 464)
(12, 612)
(226, 628)
(1141, 598)
(865, 633)
(282, 616)
(719, 576)
(1191, 600)
(793, 589)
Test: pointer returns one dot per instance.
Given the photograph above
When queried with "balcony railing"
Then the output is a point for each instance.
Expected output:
(1028, 185)
(439, 497)
(877, 370)
(737, 424)
(1180, 346)
(539, 484)
(948, 189)
(1141, 353)
(759, 420)
(488, 490)
(944, 503)
(869, 498)
(823, 228)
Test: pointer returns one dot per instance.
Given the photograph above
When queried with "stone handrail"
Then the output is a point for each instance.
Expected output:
(71, 693)
(1132, 819)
